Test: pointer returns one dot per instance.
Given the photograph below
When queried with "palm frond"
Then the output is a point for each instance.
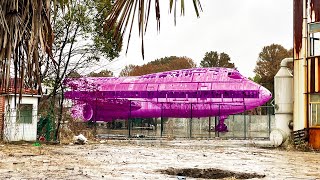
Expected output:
(125, 11)
(26, 33)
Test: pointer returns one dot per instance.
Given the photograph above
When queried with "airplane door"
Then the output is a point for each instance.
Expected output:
(203, 88)
(152, 89)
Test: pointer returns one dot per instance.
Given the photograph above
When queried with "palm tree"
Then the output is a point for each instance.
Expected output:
(26, 34)
(123, 14)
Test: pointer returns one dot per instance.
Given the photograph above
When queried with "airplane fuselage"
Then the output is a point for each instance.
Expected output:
(199, 92)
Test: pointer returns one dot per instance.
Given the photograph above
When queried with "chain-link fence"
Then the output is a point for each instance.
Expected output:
(257, 123)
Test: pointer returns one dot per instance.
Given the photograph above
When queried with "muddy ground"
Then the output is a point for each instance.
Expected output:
(151, 159)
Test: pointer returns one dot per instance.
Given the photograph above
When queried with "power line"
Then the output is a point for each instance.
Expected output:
(101, 67)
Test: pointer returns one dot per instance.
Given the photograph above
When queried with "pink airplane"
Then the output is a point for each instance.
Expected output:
(187, 93)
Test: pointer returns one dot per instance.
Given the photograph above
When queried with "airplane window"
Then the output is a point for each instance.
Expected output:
(234, 75)
(162, 94)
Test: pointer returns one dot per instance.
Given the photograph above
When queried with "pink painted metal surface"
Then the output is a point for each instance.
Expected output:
(188, 93)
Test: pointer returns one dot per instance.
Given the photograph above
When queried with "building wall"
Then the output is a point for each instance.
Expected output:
(314, 137)
(15, 131)
(307, 70)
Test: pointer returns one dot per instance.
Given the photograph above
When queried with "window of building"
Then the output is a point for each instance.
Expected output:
(24, 114)
(314, 40)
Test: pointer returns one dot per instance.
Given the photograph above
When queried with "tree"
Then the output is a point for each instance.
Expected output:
(73, 74)
(256, 78)
(103, 73)
(26, 34)
(159, 65)
(71, 29)
(268, 64)
(214, 59)
(104, 41)
(123, 15)
(127, 71)
(69, 52)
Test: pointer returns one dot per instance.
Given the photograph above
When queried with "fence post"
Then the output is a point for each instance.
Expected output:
(233, 125)
(95, 118)
(209, 126)
(161, 121)
(245, 125)
(129, 120)
(190, 133)
(269, 118)
(215, 125)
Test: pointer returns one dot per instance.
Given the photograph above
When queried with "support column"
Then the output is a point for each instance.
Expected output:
(129, 121)
(210, 127)
(190, 122)
(161, 121)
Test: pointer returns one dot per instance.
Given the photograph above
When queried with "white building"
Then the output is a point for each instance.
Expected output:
(18, 122)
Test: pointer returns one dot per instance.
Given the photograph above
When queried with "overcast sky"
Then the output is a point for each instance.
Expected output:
(240, 28)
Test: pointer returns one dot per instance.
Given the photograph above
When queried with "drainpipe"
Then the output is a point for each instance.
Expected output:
(283, 88)
(285, 61)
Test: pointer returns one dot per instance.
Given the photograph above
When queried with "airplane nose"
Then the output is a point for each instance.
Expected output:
(265, 94)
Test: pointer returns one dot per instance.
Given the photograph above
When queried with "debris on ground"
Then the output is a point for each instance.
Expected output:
(37, 144)
(80, 139)
(210, 173)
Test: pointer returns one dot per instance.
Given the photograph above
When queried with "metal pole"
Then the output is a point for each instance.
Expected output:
(209, 126)
(129, 120)
(217, 132)
(95, 119)
(215, 125)
(141, 131)
(161, 121)
(269, 118)
(233, 126)
(190, 133)
(245, 125)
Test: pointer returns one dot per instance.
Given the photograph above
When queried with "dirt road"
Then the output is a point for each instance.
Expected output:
(143, 159)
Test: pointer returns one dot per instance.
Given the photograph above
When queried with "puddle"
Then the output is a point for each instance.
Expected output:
(209, 173)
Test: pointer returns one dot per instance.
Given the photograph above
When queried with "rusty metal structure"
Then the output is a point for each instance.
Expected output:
(188, 93)
(306, 116)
